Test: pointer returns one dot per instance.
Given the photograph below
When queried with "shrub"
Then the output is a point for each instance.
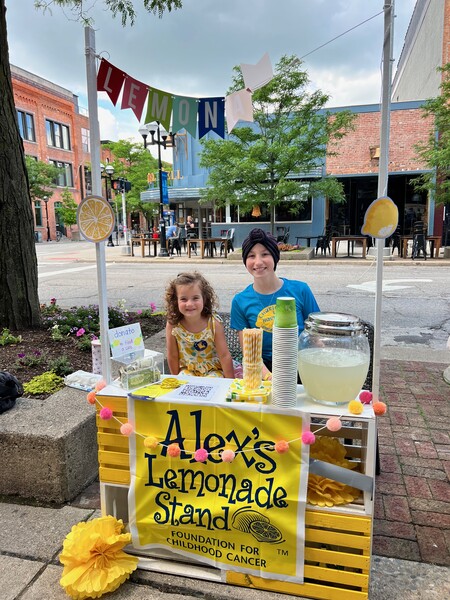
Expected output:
(7, 338)
(47, 383)
(61, 366)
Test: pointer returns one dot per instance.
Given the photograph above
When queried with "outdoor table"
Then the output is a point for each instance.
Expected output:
(435, 244)
(338, 540)
(350, 239)
(143, 242)
(308, 239)
(203, 242)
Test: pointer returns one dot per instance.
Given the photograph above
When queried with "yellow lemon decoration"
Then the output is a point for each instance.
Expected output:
(95, 219)
(137, 341)
(381, 218)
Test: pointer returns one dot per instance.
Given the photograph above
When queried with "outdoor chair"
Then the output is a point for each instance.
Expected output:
(228, 240)
(396, 241)
(189, 235)
(182, 238)
(419, 241)
(283, 237)
(324, 241)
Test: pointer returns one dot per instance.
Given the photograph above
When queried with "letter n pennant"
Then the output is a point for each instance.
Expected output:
(211, 116)
(110, 80)
(134, 96)
(159, 107)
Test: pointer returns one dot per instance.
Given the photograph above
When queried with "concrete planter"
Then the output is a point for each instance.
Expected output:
(48, 447)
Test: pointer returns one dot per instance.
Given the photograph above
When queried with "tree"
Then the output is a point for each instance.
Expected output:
(435, 152)
(68, 209)
(19, 300)
(41, 178)
(133, 162)
(291, 133)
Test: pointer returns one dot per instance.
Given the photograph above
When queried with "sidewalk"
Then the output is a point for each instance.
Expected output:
(411, 548)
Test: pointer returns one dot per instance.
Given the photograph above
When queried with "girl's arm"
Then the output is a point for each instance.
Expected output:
(222, 351)
(266, 374)
(172, 351)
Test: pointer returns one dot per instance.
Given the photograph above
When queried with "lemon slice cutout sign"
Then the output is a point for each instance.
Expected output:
(95, 218)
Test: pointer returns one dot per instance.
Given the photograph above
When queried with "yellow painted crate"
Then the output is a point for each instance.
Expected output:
(337, 541)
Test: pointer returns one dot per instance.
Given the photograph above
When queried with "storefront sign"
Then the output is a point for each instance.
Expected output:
(246, 515)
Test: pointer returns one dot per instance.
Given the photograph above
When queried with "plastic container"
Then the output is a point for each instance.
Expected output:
(333, 357)
(141, 372)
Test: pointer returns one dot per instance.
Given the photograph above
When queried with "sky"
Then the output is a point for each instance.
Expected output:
(192, 51)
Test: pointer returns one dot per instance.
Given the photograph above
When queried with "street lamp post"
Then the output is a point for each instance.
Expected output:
(109, 171)
(166, 140)
(46, 199)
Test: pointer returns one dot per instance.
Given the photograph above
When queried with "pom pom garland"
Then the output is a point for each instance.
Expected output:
(126, 429)
(282, 446)
(308, 437)
(173, 450)
(91, 397)
(355, 407)
(379, 408)
(365, 397)
(106, 413)
(201, 455)
(228, 456)
(150, 442)
(334, 424)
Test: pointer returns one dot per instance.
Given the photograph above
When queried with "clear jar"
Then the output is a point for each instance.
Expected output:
(333, 357)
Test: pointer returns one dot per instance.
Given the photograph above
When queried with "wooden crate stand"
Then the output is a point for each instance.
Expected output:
(338, 539)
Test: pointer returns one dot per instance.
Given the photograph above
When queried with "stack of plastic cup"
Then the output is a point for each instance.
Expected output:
(284, 354)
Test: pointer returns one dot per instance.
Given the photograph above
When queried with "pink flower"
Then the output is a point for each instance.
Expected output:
(139, 312)
(80, 332)
(53, 301)
(153, 306)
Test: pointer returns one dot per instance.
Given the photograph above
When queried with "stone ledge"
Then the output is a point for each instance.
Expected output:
(48, 447)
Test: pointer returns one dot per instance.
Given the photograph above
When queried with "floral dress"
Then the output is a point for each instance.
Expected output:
(197, 351)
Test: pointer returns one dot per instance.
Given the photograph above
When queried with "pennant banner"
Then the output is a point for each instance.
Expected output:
(182, 110)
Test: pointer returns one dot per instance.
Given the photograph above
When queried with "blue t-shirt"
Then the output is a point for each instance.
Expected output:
(250, 309)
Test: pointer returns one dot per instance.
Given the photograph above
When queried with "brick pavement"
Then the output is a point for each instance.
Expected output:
(412, 508)
(412, 500)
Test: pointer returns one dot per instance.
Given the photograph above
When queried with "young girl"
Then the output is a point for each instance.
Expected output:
(195, 338)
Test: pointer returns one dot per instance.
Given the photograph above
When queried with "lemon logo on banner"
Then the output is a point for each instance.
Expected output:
(95, 218)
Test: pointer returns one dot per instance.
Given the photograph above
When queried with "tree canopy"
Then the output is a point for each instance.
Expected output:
(41, 178)
(435, 152)
(269, 160)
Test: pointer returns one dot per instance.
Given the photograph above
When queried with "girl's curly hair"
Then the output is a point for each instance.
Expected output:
(210, 303)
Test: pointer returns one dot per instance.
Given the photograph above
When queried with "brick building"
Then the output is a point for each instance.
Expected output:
(54, 130)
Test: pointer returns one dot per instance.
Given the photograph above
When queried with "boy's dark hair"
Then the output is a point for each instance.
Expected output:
(210, 302)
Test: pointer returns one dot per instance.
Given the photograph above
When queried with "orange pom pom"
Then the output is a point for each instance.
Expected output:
(173, 450)
(281, 447)
(91, 397)
(379, 408)
(355, 407)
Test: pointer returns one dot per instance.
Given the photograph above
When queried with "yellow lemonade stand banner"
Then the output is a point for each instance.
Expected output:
(246, 515)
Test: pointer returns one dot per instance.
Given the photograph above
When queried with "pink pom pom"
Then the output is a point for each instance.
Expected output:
(334, 424)
(91, 397)
(201, 455)
(379, 408)
(150, 442)
(173, 450)
(228, 456)
(126, 429)
(308, 437)
(100, 385)
(106, 413)
(281, 446)
(365, 397)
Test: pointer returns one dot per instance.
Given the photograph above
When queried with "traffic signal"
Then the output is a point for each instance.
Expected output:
(121, 185)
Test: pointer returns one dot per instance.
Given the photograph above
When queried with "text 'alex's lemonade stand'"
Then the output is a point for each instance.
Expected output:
(240, 482)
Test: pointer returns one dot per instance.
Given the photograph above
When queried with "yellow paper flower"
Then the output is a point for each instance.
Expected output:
(321, 490)
(93, 559)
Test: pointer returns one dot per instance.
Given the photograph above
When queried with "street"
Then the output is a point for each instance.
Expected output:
(416, 295)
